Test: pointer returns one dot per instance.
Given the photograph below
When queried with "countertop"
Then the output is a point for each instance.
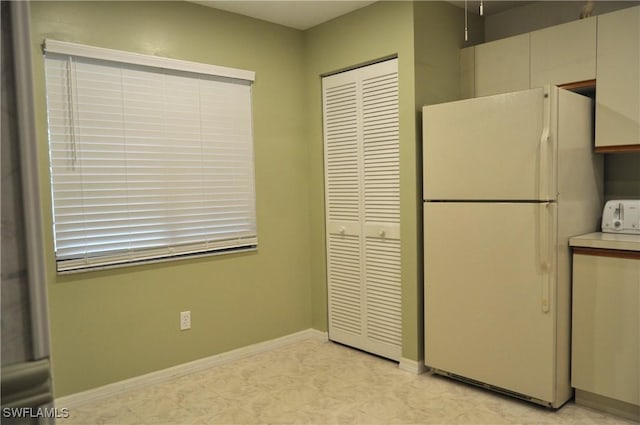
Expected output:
(607, 241)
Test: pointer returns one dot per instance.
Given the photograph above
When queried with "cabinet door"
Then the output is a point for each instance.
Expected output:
(502, 66)
(606, 326)
(618, 93)
(564, 53)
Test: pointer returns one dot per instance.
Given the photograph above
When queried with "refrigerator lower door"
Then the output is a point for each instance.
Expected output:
(489, 307)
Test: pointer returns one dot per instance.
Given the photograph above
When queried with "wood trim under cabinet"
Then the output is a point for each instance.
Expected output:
(600, 252)
(586, 84)
(618, 149)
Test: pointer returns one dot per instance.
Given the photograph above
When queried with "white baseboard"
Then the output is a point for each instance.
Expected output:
(412, 366)
(109, 390)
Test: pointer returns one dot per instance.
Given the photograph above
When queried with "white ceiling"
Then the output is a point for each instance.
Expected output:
(298, 14)
(489, 7)
(304, 14)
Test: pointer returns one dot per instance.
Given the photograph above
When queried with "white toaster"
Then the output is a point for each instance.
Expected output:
(621, 216)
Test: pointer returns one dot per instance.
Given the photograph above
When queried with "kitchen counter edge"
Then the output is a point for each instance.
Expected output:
(601, 240)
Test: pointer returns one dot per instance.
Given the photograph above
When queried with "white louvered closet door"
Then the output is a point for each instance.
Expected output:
(362, 193)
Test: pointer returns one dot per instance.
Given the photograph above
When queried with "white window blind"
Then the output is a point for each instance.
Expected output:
(147, 162)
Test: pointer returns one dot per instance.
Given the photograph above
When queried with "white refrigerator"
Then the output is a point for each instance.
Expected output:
(507, 180)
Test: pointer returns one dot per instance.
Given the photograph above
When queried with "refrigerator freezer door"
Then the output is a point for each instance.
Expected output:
(491, 148)
(489, 294)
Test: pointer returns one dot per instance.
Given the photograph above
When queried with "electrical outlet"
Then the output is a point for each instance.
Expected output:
(185, 320)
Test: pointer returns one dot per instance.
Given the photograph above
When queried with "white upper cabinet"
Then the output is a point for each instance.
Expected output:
(502, 66)
(618, 81)
(564, 53)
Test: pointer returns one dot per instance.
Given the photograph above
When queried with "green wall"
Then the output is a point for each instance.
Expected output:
(439, 36)
(107, 326)
(622, 175)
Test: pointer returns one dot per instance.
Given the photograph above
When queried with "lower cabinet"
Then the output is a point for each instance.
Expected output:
(606, 330)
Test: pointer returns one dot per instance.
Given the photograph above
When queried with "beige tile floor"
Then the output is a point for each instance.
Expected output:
(319, 382)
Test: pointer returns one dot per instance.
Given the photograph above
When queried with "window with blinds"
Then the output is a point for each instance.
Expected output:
(150, 158)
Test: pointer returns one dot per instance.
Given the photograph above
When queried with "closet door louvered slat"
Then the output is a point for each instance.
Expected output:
(381, 176)
(341, 133)
(383, 293)
(362, 193)
(344, 274)
(342, 159)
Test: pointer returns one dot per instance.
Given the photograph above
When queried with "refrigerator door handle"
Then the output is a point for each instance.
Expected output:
(546, 248)
(545, 141)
